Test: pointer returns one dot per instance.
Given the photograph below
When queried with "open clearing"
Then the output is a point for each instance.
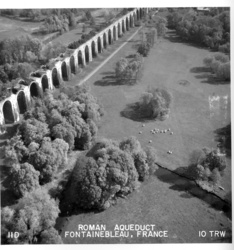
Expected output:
(199, 108)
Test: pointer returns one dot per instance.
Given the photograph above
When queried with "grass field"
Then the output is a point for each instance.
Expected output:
(193, 119)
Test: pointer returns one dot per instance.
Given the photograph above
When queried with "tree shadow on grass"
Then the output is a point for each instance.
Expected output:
(189, 189)
(200, 70)
(132, 112)
(110, 80)
(173, 37)
(223, 137)
(205, 73)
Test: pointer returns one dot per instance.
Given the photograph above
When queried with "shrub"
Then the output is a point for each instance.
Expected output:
(219, 65)
(155, 103)
(225, 48)
(144, 49)
(223, 71)
(207, 165)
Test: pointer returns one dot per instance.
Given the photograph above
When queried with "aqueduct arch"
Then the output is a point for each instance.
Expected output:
(114, 34)
(22, 103)
(109, 37)
(127, 24)
(99, 44)
(8, 112)
(123, 28)
(134, 18)
(80, 59)
(138, 15)
(131, 20)
(55, 78)
(44, 83)
(93, 46)
(34, 90)
(64, 71)
(104, 40)
(72, 65)
(87, 54)
(119, 31)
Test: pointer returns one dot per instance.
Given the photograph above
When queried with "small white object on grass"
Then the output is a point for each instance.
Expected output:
(143, 125)
(140, 132)
(150, 141)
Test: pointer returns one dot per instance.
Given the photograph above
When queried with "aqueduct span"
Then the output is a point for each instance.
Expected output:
(19, 100)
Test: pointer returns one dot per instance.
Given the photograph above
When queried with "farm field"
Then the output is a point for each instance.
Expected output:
(193, 119)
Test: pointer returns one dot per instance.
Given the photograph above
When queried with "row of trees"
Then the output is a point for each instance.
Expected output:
(110, 169)
(219, 65)
(211, 31)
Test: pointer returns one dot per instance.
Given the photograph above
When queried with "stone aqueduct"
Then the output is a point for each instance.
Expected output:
(20, 99)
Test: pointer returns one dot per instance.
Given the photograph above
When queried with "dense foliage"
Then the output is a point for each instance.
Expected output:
(144, 48)
(210, 30)
(52, 127)
(24, 178)
(33, 217)
(207, 166)
(108, 170)
(219, 65)
(155, 103)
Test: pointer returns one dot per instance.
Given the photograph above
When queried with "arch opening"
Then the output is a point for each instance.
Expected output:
(127, 24)
(131, 21)
(45, 83)
(119, 32)
(104, 40)
(55, 78)
(64, 72)
(8, 113)
(87, 54)
(80, 59)
(114, 32)
(94, 54)
(22, 103)
(99, 45)
(72, 65)
(109, 37)
(34, 90)
(138, 15)
(123, 28)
